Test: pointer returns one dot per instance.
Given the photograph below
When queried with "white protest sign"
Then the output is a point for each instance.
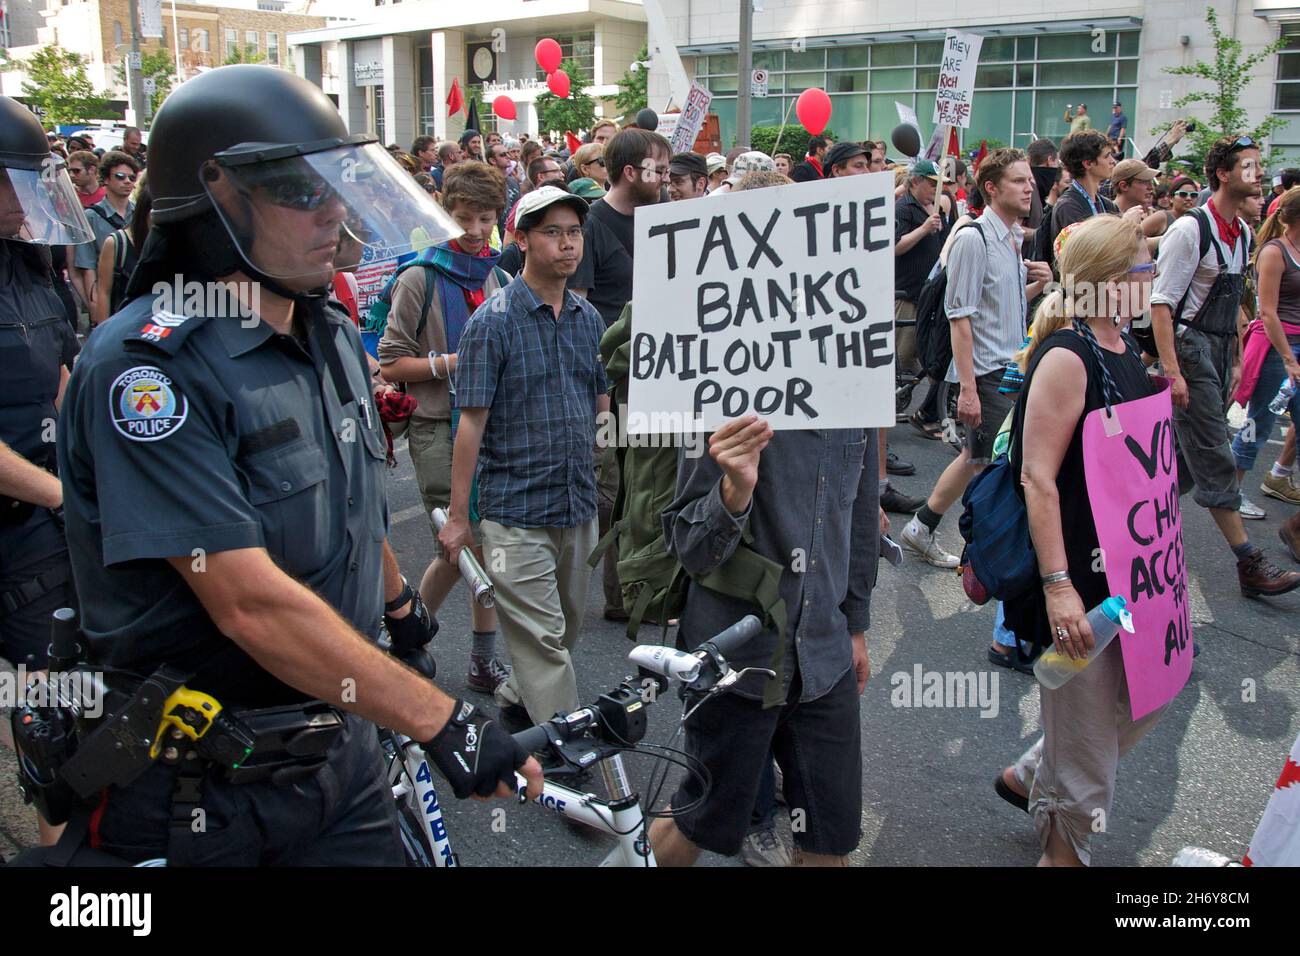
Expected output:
(952, 102)
(907, 115)
(776, 301)
(667, 125)
(691, 118)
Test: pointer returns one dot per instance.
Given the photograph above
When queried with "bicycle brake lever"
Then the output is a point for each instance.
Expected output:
(735, 676)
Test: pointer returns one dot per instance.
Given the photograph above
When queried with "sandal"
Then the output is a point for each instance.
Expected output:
(1011, 660)
(931, 430)
(1009, 795)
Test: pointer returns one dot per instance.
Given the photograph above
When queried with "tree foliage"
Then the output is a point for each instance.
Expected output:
(575, 112)
(1228, 74)
(632, 95)
(793, 141)
(57, 85)
(245, 54)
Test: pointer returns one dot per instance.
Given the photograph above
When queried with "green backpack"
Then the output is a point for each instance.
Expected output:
(653, 582)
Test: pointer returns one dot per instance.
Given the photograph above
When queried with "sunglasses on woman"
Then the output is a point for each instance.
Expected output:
(1183, 194)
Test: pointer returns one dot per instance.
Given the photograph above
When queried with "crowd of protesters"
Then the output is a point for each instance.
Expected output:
(495, 337)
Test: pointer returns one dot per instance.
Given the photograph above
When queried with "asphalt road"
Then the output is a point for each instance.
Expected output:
(1201, 777)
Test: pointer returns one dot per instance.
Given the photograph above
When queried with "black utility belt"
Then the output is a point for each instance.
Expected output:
(158, 718)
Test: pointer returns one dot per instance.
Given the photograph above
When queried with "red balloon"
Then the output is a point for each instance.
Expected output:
(504, 107)
(558, 83)
(548, 55)
(813, 109)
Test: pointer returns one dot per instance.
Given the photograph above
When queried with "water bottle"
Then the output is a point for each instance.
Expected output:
(1054, 669)
(1283, 397)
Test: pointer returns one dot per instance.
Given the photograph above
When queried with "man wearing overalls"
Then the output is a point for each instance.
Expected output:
(1194, 316)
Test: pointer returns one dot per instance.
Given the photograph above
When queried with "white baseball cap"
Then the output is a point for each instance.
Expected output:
(535, 201)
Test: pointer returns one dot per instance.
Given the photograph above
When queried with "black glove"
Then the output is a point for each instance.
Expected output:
(413, 631)
(475, 754)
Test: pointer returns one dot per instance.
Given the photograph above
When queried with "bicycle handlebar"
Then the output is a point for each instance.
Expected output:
(735, 636)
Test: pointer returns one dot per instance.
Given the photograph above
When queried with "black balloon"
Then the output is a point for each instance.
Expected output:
(906, 139)
(648, 119)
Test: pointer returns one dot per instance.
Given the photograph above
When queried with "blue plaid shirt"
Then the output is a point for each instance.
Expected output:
(539, 378)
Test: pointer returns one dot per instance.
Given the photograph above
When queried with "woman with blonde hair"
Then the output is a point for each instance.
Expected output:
(1078, 360)
(589, 163)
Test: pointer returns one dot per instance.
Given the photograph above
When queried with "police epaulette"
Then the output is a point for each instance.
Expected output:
(163, 331)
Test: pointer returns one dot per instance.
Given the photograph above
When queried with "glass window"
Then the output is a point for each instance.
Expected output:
(846, 57)
(1023, 134)
(1128, 43)
(807, 60)
(775, 83)
(722, 84)
(380, 129)
(273, 48)
(767, 110)
(993, 76)
(1077, 74)
(899, 79)
(990, 119)
(580, 47)
(1288, 135)
(232, 42)
(997, 49)
(849, 117)
(924, 106)
(117, 33)
(768, 60)
(184, 36)
(798, 82)
(1025, 74)
(1025, 48)
(1288, 96)
(930, 52)
(1049, 115)
(884, 115)
(893, 54)
(251, 39)
(726, 110)
(1288, 67)
(847, 81)
(1128, 71)
(927, 79)
(1069, 45)
(721, 63)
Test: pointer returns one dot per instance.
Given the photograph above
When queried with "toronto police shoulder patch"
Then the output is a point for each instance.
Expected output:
(145, 404)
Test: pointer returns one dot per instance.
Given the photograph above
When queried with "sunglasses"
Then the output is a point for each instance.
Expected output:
(598, 161)
(124, 177)
(1244, 142)
(1183, 194)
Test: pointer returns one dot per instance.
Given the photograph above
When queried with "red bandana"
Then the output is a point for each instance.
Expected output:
(1229, 232)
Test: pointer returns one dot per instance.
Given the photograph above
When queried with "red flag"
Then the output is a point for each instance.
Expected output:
(455, 101)
(984, 151)
(954, 147)
(573, 142)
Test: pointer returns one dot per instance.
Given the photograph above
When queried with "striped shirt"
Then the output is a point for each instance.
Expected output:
(988, 288)
(539, 377)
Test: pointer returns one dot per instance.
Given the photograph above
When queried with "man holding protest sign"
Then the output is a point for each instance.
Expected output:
(988, 288)
(772, 323)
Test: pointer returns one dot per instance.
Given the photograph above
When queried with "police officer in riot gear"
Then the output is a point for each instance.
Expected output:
(38, 209)
(223, 470)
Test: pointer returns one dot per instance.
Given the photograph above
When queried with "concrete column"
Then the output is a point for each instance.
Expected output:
(399, 90)
(352, 98)
(308, 62)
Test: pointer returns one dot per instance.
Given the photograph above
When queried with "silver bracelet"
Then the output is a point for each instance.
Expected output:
(1056, 577)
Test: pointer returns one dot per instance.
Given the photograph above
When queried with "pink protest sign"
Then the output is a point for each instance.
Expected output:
(1132, 476)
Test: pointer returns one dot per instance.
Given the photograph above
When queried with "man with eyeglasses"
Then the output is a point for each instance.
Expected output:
(529, 384)
(83, 169)
(118, 170)
(1195, 304)
(499, 156)
(636, 162)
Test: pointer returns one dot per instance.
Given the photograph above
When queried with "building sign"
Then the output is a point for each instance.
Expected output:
(151, 18)
(482, 62)
(368, 73)
(529, 85)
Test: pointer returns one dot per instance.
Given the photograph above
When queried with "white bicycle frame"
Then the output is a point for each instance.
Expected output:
(620, 816)
(415, 786)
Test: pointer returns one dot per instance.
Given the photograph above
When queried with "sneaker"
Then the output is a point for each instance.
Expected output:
(920, 540)
(1248, 509)
(1290, 535)
(764, 848)
(1283, 489)
(895, 502)
(486, 674)
(1258, 577)
(896, 466)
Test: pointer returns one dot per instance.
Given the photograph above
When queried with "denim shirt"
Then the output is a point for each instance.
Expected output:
(816, 511)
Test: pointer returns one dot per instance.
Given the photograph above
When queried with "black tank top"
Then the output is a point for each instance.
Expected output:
(1081, 545)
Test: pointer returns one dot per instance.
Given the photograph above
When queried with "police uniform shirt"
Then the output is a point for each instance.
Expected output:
(185, 437)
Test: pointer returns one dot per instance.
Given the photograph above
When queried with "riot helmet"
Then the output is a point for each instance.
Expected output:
(298, 196)
(38, 203)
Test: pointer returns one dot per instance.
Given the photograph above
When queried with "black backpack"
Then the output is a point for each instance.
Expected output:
(124, 260)
(933, 338)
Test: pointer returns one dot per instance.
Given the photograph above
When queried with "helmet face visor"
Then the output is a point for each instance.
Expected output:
(306, 217)
(40, 206)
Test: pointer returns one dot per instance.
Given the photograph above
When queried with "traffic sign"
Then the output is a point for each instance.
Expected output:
(758, 83)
